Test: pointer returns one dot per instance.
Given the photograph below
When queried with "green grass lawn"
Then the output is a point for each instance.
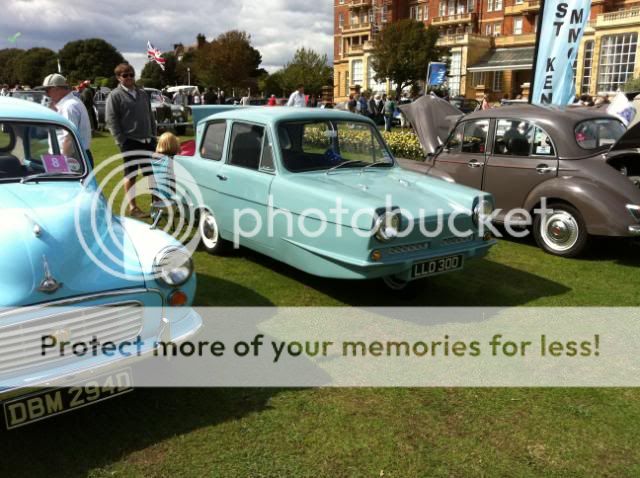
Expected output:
(362, 432)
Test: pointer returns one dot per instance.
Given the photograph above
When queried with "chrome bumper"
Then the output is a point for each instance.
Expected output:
(178, 332)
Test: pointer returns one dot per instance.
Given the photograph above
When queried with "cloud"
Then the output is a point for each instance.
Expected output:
(277, 27)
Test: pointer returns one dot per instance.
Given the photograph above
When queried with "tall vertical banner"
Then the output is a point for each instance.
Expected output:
(436, 74)
(560, 31)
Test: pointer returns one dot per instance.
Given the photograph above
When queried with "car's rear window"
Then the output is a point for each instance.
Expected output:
(598, 133)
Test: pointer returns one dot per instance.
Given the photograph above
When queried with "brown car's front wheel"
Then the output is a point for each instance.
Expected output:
(561, 230)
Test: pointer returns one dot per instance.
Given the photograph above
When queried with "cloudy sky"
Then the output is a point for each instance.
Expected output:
(277, 27)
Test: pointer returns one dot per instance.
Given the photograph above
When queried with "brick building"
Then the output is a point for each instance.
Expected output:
(490, 43)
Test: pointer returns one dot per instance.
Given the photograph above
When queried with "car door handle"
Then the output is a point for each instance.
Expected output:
(544, 169)
(474, 163)
(222, 178)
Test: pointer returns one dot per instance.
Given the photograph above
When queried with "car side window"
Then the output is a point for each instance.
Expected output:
(213, 142)
(475, 136)
(266, 162)
(542, 144)
(513, 138)
(246, 145)
(455, 140)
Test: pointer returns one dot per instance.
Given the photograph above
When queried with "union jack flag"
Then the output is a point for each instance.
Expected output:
(154, 54)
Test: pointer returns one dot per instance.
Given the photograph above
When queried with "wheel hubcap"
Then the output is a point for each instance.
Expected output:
(560, 231)
(209, 230)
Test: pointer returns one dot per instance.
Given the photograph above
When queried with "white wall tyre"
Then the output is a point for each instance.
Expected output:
(210, 233)
(561, 231)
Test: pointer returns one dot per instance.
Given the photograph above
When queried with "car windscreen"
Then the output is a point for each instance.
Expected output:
(29, 149)
(326, 144)
(598, 134)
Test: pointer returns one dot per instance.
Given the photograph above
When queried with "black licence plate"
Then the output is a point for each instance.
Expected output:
(437, 266)
(48, 403)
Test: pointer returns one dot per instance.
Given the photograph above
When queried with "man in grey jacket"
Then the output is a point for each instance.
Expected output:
(132, 123)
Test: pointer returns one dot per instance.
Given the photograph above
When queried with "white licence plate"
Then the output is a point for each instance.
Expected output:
(437, 266)
(43, 404)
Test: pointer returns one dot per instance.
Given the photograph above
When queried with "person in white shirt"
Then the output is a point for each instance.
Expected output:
(245, 100)
(297, 98)
(71, 107)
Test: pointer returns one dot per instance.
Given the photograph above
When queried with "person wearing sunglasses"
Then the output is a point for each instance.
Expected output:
(132, 123)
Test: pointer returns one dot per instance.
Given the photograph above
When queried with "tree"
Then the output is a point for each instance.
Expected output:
(402, 52)
(228, 61)
(9, 59)
(88, 59)
(308, 68)
(154, 77)
(35, 64)
(272, 84)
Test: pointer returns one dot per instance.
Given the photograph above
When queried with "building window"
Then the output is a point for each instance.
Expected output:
(488, 29)
(442, 9)
(346, 83)
(497, 29)
(454, 80)
(517, 25)
(471, 6)
(341, 20)
(339, 82)
(372, 84)
(617, 61)
(354, 18)
(587, 67)
(497, 81)
(357, 72)
(519, 2)
(371, 16)
(494, 5)
(477, 78)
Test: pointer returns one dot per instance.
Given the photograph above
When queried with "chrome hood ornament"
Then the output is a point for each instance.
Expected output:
(48, 285)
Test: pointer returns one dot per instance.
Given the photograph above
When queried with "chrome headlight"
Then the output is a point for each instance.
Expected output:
(483, 210)
(387, 226)
(173, 266)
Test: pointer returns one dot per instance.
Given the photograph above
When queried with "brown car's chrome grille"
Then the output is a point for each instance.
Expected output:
(456, 240)
(409, 248)
(21, 343)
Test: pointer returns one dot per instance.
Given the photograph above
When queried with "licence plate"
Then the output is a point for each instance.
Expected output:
(48, 403)
(437, 266)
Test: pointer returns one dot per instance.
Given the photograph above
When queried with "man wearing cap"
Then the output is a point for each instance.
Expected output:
(131, 121)
(68, 105)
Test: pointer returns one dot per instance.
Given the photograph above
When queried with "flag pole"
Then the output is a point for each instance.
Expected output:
(535, 54)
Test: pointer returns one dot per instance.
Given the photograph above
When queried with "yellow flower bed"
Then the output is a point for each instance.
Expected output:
(404, 144)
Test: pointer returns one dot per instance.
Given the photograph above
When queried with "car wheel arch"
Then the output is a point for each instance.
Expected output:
(583, 195)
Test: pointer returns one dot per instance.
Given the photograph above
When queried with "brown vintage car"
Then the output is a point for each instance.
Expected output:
(582, 160)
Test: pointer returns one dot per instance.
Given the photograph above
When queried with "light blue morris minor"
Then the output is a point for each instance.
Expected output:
(66, 262)
(320, 190)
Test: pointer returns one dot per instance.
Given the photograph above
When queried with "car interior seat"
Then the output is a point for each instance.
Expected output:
(246, 149)
(10, 166)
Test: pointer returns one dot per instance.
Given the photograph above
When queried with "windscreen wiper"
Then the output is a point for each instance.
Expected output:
(376, 164)
(39, 176)
(338, 166)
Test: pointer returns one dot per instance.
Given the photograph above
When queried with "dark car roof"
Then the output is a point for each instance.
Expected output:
(559, 122)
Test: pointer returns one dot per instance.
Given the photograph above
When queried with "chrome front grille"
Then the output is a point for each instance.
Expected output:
(407, 249)
(21, 342)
